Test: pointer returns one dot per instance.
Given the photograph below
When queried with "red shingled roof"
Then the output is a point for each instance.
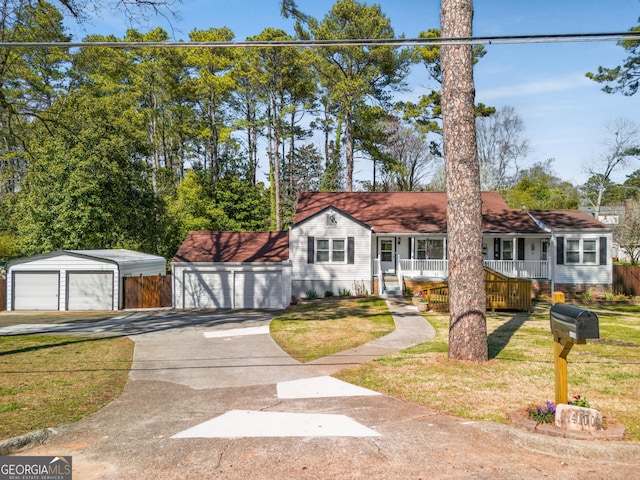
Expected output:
(205, 246)
(568, 219)
(411, 212)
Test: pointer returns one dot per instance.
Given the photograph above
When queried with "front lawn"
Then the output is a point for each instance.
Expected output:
(319, 328)
(519, 373)
(46, 381)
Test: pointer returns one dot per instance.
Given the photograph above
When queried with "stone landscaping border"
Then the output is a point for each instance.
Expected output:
(613, 430)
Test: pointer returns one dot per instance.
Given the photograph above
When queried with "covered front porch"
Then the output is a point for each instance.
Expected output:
(439, 269)
(425, 258)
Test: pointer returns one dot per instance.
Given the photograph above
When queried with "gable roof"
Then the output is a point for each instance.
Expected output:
(206, 246)
(411, 212)
(116, 256)
(568, 220)
(333, 208)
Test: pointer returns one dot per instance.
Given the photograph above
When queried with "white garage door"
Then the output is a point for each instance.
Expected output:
(90, 291)
(35, 290)
(207, 290)
(258, 290)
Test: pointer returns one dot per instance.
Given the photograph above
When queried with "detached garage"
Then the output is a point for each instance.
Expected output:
(76, 279)
(232, 270)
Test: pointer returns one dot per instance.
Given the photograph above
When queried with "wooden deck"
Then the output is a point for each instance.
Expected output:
(503, 293)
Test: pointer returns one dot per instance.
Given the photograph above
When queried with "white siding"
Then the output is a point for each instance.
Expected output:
(62, 264)
(321, 277)
(583, 274)
(133, 263)
(231, 285)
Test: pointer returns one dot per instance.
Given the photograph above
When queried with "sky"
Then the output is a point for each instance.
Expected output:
(565, 114)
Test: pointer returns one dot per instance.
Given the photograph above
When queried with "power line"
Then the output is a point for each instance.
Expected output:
(397, 42)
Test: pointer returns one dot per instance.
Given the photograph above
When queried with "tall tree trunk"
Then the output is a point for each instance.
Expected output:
(348, 149)
(467, 298)
(292, 148)
(155, 155)
(252, 141)
(327, 129)
(276, 162)
(213, 136)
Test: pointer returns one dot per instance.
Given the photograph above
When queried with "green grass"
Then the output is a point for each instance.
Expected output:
(316, 329)
(520, 372)
(36, 317)
(46, 381)
(51, 380)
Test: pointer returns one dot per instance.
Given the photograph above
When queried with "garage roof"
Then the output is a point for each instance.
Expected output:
(117, 256)
(207, 246)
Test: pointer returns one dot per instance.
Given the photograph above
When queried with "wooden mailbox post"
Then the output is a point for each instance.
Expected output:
(561, 347)
(570, 325)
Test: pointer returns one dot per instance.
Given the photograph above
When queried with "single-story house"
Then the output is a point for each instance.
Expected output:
(368, 241)
(232, 270)
(76, 279)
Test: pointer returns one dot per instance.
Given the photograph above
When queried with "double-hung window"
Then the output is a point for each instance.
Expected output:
(581, 251)
(589, 251)
(435, 249)
(337, 250)
(323, 250)
(330, 250)
(430, 249)
(421, 250)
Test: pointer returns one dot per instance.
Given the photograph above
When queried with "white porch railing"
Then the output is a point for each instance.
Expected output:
(424, 268)
(520, 268)
(399, 271)
(440, 268)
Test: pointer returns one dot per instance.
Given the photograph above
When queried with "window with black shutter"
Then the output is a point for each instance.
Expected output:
(311, 244)
(560, 251)
(351, 254)
(603, 250)
(521, 249)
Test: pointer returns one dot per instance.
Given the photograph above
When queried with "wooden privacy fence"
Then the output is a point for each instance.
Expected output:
(503, 293)
(626, 280)
(3, 294)
(153, 291)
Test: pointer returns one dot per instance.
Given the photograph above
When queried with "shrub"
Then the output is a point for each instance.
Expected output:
(328, 293)
(311, 294)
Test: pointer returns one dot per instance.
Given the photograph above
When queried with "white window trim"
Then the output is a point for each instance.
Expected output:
(330, 240)
(423, 249)
(427, 248)
(581, 250)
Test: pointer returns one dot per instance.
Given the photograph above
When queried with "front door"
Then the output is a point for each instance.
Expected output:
(386, 251)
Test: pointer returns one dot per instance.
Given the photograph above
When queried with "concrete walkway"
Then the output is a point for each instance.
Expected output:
(212, 396)
(411, 329)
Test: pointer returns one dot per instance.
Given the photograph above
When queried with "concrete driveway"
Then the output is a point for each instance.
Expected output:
(212, 396)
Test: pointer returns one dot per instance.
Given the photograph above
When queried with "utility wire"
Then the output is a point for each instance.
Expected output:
(398, 42)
